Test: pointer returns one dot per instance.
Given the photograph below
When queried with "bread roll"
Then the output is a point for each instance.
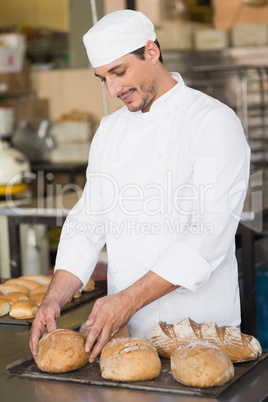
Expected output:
(23, 309)
(77, 294)
(4, 307)
(238, 346)
(90, 286)
(13, 288)
(37, 298)
(27, 283)
(122, 333)
(12, 297)
(61, 351)
(129, 360)
(41, 289)
(41, 279)
(201, 364)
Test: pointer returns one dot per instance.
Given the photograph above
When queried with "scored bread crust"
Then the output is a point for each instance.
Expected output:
(125, 359)
(238, 346)
(201, 364)
(61, 351)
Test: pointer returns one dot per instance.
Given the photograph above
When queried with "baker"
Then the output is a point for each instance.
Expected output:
(166, 182)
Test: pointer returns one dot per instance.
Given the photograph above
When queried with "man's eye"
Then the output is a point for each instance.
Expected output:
(121, 73)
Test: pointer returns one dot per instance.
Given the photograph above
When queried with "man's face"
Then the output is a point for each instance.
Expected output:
(130, 79)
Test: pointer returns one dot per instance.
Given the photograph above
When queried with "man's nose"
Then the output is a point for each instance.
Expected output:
(113, 87)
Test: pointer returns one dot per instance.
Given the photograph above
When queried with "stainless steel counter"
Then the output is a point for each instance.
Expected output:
(14, 345)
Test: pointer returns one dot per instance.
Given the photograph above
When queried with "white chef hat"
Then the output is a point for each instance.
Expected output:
(116, 35)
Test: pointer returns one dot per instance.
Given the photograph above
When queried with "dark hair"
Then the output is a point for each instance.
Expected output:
(140, 52)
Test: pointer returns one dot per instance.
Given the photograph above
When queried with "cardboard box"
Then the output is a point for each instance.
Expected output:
(249, 35)
(12, 52)
(16, 81)
(173, 35)
(28, 108)
(228, 13)
(210, 39)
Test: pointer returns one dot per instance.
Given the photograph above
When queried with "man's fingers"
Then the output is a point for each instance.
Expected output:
(102, 340)
(37, 330)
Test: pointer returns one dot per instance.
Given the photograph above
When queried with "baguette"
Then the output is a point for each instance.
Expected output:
(239, 347)
(201, 364)
(125, 359)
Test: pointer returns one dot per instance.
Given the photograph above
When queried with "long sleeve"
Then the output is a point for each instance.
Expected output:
(217, 193)
(83, 232)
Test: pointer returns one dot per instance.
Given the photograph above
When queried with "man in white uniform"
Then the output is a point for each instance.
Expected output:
(166, 181)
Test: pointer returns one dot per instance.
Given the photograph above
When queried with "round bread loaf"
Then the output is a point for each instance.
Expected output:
(61, 351)
(23, 309)
(6, 288)
(41, 279)
(27, 283)
(4, 307)
(125, 359)
(12, 297)
(201, 364)
(90, 286)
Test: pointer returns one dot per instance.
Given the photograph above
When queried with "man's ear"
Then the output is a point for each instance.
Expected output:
(152, 51)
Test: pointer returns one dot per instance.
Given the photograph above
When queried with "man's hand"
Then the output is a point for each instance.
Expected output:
(46, 319)
(109, 314)
(61, 289)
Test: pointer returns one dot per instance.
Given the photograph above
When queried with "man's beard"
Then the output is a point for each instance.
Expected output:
(147, 97)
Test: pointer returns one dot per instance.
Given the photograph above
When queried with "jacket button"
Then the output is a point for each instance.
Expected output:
(117, 158)
(159, 156)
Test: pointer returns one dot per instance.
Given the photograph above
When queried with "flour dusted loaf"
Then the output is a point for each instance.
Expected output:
(239, 347)
(201, 364)
(125, 359)
(61, 351)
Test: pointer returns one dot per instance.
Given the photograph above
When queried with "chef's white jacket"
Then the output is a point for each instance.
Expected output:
(164, 192)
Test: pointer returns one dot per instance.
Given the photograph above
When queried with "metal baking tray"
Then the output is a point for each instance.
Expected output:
(85, 297)
(90, 374)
